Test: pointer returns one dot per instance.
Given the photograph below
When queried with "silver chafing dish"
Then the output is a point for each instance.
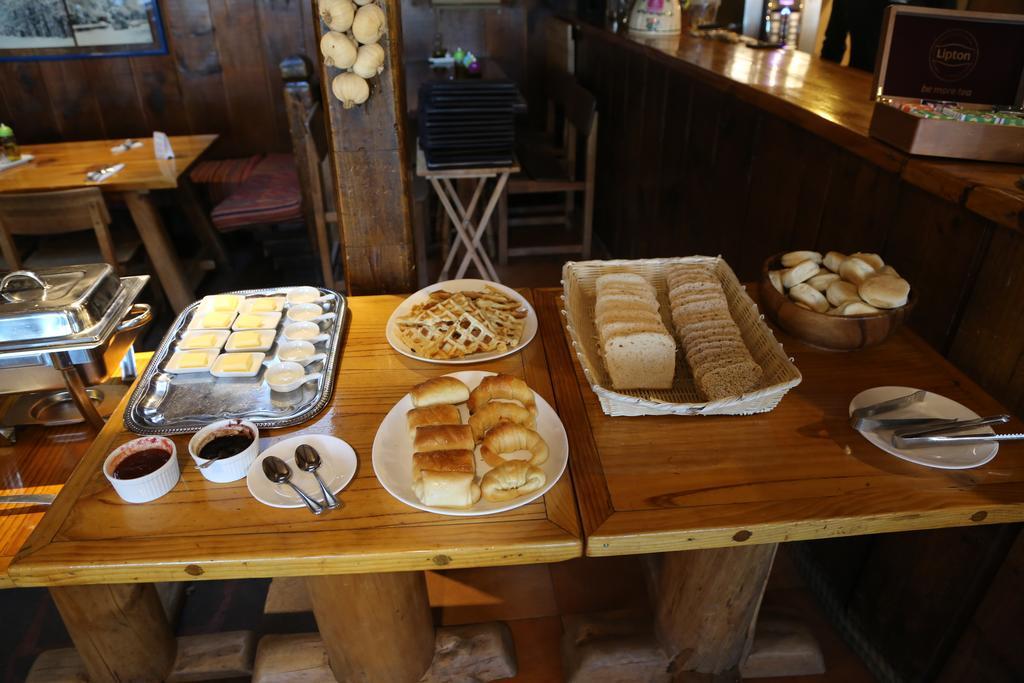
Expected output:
(62, 329)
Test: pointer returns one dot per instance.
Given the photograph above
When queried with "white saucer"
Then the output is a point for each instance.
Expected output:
(934, 405)
(392, 454)
(337, 469)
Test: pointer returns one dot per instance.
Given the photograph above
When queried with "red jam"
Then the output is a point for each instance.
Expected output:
(141, 463)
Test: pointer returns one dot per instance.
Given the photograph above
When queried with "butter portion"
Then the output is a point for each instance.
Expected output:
(246, 340)
(192, 360)
(235, 362)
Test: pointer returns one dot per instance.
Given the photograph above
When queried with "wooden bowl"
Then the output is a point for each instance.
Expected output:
(834, 332)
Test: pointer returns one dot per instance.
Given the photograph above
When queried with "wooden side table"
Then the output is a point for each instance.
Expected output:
(468, 233)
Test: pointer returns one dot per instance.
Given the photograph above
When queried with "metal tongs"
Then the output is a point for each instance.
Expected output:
(926, 431)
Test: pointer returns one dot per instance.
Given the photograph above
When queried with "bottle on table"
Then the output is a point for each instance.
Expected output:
(8, 144)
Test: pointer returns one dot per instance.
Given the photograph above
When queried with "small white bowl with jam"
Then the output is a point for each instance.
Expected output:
(143, 469)
(223, 450)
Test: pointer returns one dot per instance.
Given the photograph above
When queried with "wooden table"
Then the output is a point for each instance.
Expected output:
(217, 531)
(62, 166)
(727, 489)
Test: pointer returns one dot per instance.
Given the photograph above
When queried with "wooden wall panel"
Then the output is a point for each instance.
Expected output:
(221, 75)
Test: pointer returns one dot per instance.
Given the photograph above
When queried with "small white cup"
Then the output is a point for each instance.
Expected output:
(287, 376)
(304, 331)
(301, 352)
(304, 295)
(307, 313)
(223, 470)
(149, 486)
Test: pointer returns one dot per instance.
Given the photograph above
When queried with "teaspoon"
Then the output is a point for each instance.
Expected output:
(308, 459)
(277, 471)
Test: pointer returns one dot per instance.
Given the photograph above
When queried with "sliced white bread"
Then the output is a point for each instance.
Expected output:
(642, 360)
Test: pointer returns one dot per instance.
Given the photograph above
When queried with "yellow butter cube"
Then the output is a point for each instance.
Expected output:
(246, 340)
(214, 320)
(250, 322)
(235, 362)
(201, 341)
(263, 306)
(192, 360)
(224, 302)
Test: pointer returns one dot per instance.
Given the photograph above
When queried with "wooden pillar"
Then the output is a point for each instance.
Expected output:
(120, 631)
(706, 604)
(371, 166)
(377, 628)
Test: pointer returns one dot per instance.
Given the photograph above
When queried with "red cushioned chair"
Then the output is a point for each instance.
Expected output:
(271, 194)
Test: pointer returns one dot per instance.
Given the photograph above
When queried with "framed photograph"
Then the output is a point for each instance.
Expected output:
(72, 29)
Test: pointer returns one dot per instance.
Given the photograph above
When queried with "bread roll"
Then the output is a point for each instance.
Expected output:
(841, 292)
(495, 412)
(775, 277)
(796, 257)
(873, 260)
(509, 438)
(432, 415)
(888, 270)
(857, 308)
(443, 438)
(856, 271)
(443, 461)
(502, 387)
(833, 260)
(446, 489)
(821, 281)
(805, 294)
(799, 273)
(440, 390)
(512, 479)
(885, 291)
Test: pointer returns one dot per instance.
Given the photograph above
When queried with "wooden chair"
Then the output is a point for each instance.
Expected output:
(44, 214)
(551, 165)
(310, 147)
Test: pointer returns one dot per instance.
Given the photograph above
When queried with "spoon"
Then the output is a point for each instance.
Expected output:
(277, 471)
(308, 459)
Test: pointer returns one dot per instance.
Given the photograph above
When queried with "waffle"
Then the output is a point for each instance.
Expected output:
(452, 325)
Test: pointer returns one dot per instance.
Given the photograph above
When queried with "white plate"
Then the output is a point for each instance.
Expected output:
(337, 469)
(529, 329)
(392, 454)
(933, 405)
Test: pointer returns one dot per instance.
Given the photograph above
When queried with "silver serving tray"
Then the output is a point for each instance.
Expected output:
(163, 403)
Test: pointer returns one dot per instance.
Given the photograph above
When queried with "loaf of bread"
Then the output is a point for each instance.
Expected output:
(431, 415)
(638, 351)
(718, 357)
(446, 489)
(438, 391)
(443, 438)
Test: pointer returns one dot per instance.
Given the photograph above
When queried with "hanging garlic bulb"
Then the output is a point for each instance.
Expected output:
(369, 60)
(337, 14)
(350, 89)
(369, 24)
(338, 50)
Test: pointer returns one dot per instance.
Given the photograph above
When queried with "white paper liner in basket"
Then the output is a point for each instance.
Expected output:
(780, 375)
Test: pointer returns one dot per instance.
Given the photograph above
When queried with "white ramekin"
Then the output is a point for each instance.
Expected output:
(150, 486)
(224, 470)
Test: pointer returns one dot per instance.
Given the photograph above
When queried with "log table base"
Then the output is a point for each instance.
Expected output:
(705, 626)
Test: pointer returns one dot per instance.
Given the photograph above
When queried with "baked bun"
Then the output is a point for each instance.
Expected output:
(446, 489)
(509, 438)
(774, 276)
(443, 461)
(885, 291)
(821, 281)
(502, 387)
(873, 260)
(496, 412)
(443, 438)
(803, 293)
(794, 257)
(801, 272)
(512, 479)
(857, 308)
(438, 391)
(841, 292)
(833, 260)
(432, 415)
(855, 270)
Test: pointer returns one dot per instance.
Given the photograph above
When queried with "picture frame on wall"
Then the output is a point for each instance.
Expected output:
(73, 29)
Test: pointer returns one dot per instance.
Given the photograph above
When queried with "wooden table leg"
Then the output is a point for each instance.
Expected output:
(161, 252)
(201, 224)
(375, 627)
(120, 631)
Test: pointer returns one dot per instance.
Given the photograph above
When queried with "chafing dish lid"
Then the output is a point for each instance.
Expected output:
(55, 303)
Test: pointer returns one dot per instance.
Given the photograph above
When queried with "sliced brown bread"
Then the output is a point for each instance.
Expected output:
(730, 380)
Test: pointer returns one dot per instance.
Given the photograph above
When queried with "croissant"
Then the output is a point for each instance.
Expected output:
(499, 411)
(443, 438)
(510, 480)
(502, 386)
(439, 390)
(509, 438)
(432, 415)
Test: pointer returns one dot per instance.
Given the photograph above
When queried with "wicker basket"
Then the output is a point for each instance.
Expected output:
(780, 375)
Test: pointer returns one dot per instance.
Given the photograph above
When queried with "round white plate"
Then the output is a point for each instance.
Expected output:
(392, 454)
(933, 405)
(337, 469)
(529, 328)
